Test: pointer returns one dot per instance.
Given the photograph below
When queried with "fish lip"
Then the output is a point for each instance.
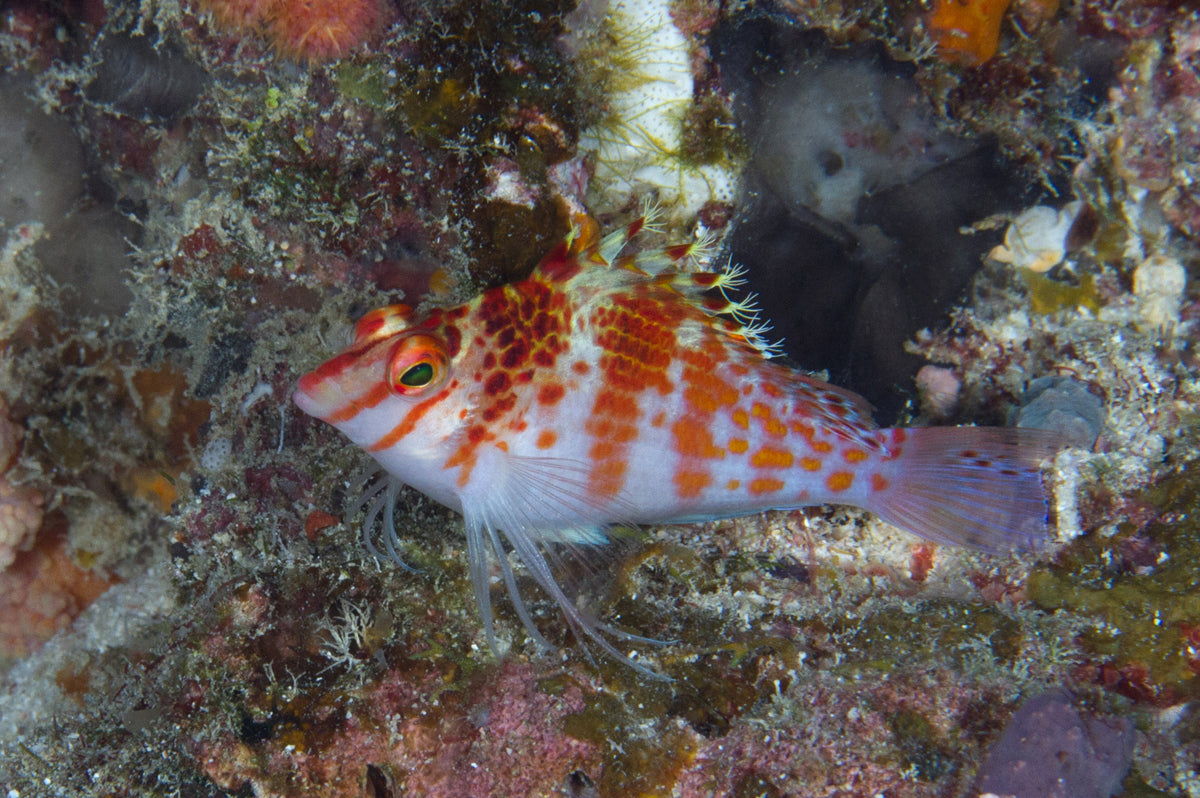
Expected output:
(305, 396)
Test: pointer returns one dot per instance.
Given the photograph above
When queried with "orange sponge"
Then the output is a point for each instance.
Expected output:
(967, 31)
(321, 30)
(310, 30)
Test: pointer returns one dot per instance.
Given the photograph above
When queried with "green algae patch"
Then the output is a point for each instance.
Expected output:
(1048, 296)
(367, 85)
(635, 763)
(939, 629)
(1135, 787)
(709, 135)
(1138, 591)
(920, 745)
(651, 730)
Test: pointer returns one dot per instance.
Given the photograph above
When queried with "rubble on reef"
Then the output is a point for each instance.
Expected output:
(197, 200)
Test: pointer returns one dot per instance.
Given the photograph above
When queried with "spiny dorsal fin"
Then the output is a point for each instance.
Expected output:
(666, 267)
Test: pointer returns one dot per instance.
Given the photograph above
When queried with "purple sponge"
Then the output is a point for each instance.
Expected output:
(1050, 749)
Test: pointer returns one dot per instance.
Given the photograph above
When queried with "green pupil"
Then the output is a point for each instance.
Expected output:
(417, 375)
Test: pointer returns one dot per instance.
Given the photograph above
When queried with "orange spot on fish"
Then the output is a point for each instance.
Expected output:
(514, 355)
(658, 419)
(615, 404)
(810, 464)
(612, 432)
(500, 407)
(854, 455)
(690, 484)
(637, 349)
(741, 418)
(839, 481)
(761, 486)
(602, 450)
(823, 447)
(738, 445)
(769, 457)
(496, 384)
(805, 431)
(551, 394)
(878, 482)
(707, 393)
(608, 478)
(580, 368)
(733, 484)
(546, 438)
(453, 340)
(699, 399)
(693, 439)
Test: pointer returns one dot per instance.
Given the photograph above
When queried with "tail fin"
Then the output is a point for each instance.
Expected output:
(972, 486)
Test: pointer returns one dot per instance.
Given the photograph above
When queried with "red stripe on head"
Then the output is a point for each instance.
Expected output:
(408, 423)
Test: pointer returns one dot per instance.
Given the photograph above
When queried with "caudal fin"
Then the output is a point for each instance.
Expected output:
(972, 486)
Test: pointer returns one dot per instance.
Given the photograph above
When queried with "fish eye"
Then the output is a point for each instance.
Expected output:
(417, 376)
(418, 364)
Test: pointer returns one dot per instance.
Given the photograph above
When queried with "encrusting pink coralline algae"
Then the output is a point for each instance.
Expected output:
(20, 505)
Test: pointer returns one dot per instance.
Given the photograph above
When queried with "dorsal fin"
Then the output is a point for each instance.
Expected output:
(665, 267)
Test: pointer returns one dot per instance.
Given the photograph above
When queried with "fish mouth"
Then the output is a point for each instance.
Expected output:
(315, 396)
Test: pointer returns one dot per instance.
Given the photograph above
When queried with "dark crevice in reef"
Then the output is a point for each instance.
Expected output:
(854, 203)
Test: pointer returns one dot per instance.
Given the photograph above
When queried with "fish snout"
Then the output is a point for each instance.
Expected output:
(316, 395)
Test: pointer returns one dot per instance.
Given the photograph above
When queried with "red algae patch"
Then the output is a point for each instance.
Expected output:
(416, 735)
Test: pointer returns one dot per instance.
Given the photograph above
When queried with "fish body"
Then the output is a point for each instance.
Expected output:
(609, 389)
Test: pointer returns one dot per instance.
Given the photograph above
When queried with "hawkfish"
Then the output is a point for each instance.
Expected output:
(612, 389)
